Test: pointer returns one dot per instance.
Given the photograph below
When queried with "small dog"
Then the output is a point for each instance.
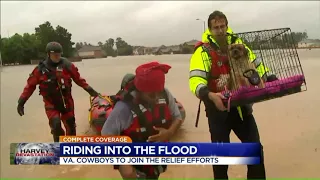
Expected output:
(240, 65)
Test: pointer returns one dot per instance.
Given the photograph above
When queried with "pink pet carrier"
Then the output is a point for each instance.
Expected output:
(276, 49)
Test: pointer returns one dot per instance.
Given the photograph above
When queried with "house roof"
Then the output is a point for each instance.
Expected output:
(165, 50)
(175, 48)
(89, 48)
(158, 48)
(192, 42)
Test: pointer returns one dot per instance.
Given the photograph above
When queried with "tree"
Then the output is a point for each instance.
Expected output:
(123, 48)
(64, 38)
(108, 47)
(19, 49)
(46, 33)
(7, 51)
(110, 42)
(299, 36)
(23, 48)
(78, 46)
(30, 44)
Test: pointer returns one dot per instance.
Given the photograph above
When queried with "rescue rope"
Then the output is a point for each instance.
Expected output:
(108, 99)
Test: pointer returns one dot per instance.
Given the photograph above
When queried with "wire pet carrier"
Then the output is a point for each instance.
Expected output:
(275, 48)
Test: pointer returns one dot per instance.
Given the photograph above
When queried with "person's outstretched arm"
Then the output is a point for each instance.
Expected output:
(80, 81)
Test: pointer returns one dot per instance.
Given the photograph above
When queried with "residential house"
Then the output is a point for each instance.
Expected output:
(148, 50)
(176, 49)
(166, 50)
(138, 50)
(91, 52)
(309, 43)
(191, 43)
(158, 50)
(75, 56)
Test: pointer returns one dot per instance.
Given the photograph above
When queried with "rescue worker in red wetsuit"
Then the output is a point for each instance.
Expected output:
(146, 111)
(54, 76)
(207, 65)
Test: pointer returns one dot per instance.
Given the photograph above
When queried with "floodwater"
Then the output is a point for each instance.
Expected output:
(289, 126)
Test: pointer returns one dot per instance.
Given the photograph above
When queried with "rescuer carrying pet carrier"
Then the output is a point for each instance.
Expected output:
(208, 67)
(146, 112)
(54, 76)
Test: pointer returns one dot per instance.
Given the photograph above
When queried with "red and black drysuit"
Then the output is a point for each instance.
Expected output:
(55, 82)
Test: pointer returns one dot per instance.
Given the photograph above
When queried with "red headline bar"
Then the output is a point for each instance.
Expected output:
(96, 139)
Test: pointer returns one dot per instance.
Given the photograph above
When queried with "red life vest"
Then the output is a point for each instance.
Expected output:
(219, 64)
(144, 119)
(54, 80)
(143, 122)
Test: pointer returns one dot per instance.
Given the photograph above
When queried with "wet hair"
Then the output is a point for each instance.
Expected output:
(214, 15)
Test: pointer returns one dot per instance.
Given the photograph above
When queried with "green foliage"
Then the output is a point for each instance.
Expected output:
(108, 47)
(20, 49)
(123, 48)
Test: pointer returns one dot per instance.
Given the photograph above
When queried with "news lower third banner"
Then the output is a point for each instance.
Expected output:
(124, 152)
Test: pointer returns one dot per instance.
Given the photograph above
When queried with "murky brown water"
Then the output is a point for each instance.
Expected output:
(289, 127)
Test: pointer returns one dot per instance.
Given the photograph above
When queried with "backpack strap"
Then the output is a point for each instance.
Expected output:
(143, 122)
(197, 45)
(166, 96)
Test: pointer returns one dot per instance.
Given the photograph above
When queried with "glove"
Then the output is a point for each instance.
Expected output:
(92, 92)
(20, 109)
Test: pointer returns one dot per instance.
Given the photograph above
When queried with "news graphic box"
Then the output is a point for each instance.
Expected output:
(48, 153)
(159, 153)
(95, 139)
(34, 153)
(119, 150)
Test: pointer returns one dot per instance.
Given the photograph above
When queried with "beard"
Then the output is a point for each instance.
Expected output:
(223, 44)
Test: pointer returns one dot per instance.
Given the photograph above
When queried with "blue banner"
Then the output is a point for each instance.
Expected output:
(159, 149)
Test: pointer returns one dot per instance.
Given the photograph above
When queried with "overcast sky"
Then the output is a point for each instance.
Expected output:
(151, 23)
